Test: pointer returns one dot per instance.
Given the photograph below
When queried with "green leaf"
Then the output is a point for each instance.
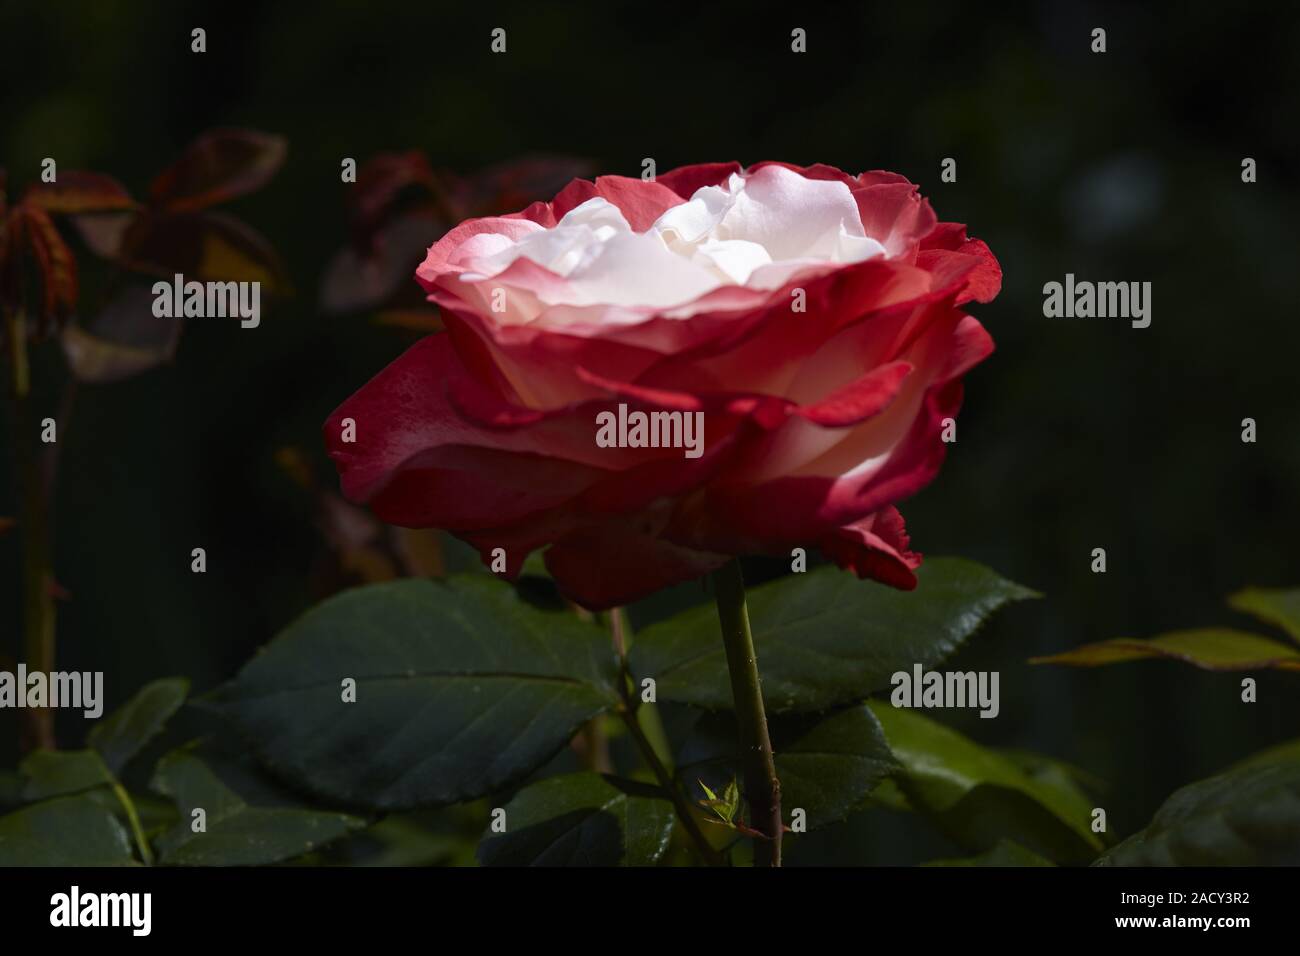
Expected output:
(1004, 853)
(126, 731)
(65, 831)
(462, 689)
(535, 565)
(827, 764)
(1245, 817)
(724, 807)
(730, 800)
(56, 773)
(1067, 782)
(978, 796)
(397, 841)
(889, 795)
(1288, 750)
(51, 773)
(1211, 649)
(1278, 606)
(236, 834)
(11, 788)
(582, 819)
(825, 638)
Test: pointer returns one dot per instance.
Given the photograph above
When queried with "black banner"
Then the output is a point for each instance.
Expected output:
(338, 905)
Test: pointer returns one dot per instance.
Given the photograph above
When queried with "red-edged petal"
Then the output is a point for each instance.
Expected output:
(947, 252)
(875, 547)
(896, 216)
(859, 400)
(685, 181)
(784, 511)
(419, 463)
(641, 202)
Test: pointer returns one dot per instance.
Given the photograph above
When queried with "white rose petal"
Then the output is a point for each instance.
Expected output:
(757, 230)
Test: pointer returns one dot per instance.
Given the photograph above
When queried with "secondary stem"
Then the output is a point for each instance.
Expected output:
(762, 787)
(128, 805)
(669, 785)
(619, 633)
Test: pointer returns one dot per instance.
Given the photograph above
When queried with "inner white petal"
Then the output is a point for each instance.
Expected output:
(758, 230)
(732, 259)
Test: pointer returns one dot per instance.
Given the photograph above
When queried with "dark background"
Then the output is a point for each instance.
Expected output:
(1076, 434)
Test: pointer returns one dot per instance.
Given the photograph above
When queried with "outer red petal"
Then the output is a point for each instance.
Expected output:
(608, 565)
(686, 180)
(875, 547)
(946, 249)
(419, 463)
(641, 202)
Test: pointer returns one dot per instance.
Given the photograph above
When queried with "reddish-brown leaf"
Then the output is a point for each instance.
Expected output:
(381, 181)
(103, 232)
(218, 166)
(126, 338)
(511, 186)
(425, 321)
(32, 234)
(206, 246)
(420, 552)
(354, 281)
(77, 191)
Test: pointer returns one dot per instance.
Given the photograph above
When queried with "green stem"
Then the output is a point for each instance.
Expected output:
(16, 328)
(37, 581)
(593, 747)
(128, 805)
(647, 717)
(762, 787)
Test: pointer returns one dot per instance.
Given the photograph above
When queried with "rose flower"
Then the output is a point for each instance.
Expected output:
(811, 318)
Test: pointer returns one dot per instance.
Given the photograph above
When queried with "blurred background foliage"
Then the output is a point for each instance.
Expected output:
(1077, 434)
